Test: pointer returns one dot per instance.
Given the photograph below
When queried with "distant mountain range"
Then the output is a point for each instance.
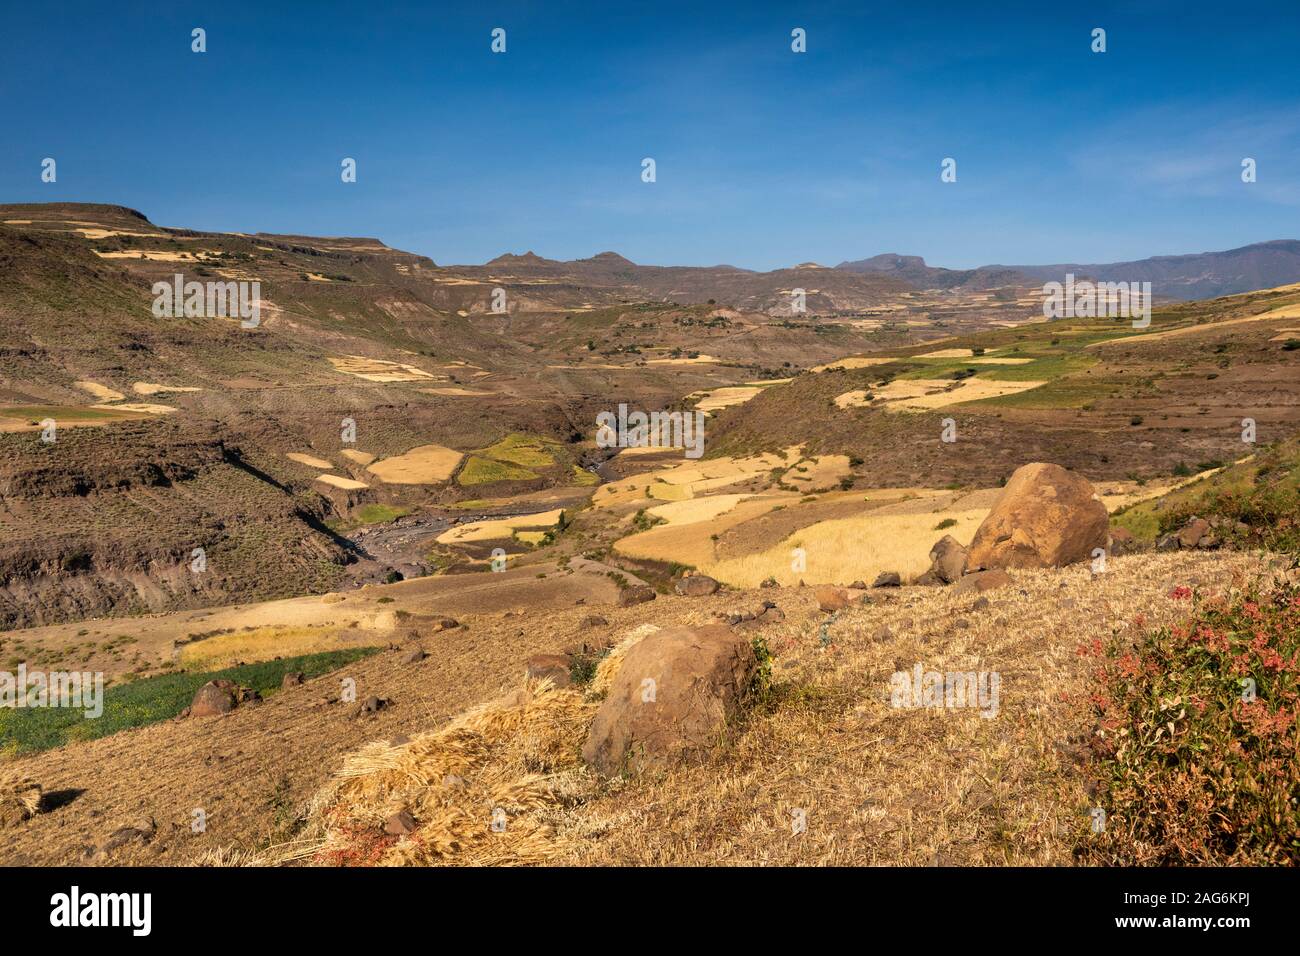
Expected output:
(1202, 275)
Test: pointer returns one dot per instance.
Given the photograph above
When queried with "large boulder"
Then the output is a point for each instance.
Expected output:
(948, 559)
(675, 694)
(1047, 517)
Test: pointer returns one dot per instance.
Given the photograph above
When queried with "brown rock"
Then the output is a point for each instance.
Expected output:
(1047, 517)
(292, 679)
(948, 559)
(554, 666)
(1121, 541)
(674, 695)
(215, 698)
(636, 594)
(594, 620)
(414, 656)
(831, 598)
(981, 581)
(400, 823)
(1193, 532)
(141, 832)
(887, 579)
(697, 585)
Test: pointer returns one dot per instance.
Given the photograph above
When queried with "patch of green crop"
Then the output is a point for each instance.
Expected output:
(481, 471)
(377, 514)
(150, 700)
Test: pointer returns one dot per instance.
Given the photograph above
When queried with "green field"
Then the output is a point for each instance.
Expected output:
(150, 700)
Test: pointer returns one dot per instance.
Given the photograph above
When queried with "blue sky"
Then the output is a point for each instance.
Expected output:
(765, 158)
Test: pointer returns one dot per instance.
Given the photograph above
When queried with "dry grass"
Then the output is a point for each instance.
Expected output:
(876, 784)
(514, 761)
(425, 465)
(101, 392)
(817, 474)
(848, 549)
(261, 644)
(922, 394)
(153, 388)
(495, 528)
(885, 786)
(378, 370)
(694, 510)
(692, 543)
(856, 361)
(725, 397)
(337, 481)
(311, 461)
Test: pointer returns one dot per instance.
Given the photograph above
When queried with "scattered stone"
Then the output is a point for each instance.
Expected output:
(928, 579)
(374, 705)
(554, 666)
(980, 604)
(947, 559)
(414, 656)
(961, 624)
(675, 695)
(831, 598)
(142, 832)
(981, 581)
(447, 624)
(1192, 532)
(453, 782)
(594, 620)
(887, 579)
(400, 823)
(1121, 541)
(769, 583)
(215, 698)
(636, 594)
(292, 679)
(696, 585)
(858, 586)
(886, 633)
(1168, 542)
(1047, 517)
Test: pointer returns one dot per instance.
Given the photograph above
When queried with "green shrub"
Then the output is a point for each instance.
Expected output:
(1199, 765)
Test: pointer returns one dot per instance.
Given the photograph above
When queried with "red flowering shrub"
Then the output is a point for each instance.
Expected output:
(1197, 733)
